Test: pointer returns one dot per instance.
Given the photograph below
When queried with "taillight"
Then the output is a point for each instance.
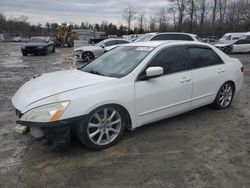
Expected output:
(242, 69)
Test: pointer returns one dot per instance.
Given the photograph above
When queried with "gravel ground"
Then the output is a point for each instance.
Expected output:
(202, 148)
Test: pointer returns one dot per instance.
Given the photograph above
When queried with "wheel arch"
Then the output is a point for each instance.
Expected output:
(231, 82)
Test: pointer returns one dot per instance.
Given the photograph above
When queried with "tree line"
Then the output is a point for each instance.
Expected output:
(203, 17)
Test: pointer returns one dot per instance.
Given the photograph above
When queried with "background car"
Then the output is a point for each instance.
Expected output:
(167, 36)
(38, 46)
(88, 53)
(211, 41)
(238, 46)
(127, 87)
(95, 40)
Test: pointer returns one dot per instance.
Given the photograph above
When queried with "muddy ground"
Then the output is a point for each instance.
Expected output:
(202, 148)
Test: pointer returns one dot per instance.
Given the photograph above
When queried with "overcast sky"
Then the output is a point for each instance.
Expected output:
(76, 11)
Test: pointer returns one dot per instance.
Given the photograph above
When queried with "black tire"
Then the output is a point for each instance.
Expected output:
(54, 49)
(83, 129)
(218, 102)
(87, 57)
(46, 51)
(24, 54)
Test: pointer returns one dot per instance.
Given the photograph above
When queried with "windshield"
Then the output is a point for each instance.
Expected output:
(38, 40)
(118, 62)
(143, 38)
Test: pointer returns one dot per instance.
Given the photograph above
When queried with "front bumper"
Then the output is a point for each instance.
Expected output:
(33, 50)
(78, 56)
(57, 134)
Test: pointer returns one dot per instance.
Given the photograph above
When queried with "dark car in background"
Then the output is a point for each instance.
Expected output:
(38, 46)
(96, 40)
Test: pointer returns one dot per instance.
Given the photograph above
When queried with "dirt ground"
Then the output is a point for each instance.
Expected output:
(202, 148)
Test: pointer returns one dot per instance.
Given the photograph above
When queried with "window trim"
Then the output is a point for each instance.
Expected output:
(190, 64)
(143, 70)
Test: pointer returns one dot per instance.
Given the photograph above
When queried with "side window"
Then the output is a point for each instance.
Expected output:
(202, 57)
(121, 42)
(170, 59)
(243, 41)
(110, 43)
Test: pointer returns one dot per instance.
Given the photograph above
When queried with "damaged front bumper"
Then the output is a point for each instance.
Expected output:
(57, 134)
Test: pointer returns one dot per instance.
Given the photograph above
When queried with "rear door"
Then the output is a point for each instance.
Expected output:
(208, 72)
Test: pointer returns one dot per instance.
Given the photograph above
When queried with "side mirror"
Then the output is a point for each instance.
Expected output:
(103, 45)
(152, 72)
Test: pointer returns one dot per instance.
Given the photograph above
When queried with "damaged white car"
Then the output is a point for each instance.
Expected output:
(238, 46)
(127, 87)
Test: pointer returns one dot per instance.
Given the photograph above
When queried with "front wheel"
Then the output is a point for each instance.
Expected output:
(87, 57)
(103, 128)
(224, 96)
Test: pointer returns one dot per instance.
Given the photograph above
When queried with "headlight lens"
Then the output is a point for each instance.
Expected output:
(78, 52)
(40, 47)
(47, 113)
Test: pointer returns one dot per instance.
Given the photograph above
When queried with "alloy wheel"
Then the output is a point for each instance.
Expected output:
(225, 95)
(104, 126)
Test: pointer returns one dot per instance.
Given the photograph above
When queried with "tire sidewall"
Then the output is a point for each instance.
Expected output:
(83, 126)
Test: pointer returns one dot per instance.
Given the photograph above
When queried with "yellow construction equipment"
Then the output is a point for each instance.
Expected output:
(64, 35)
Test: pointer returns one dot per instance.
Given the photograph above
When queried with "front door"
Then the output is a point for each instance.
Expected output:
(167, 95)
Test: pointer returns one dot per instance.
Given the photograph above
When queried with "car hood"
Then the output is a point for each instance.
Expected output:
(88, 48)
(54, 83)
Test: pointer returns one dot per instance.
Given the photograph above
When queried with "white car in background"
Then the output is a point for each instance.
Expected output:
(127, 87)
(88, 53)
(238, 46)
(230, 38)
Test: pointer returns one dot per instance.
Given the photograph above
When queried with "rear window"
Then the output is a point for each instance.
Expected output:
(203, 57)
(173, 37)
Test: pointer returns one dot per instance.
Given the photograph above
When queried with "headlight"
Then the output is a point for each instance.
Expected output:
(78, 52)
(40, 47)
(22, 47)
(47, 113)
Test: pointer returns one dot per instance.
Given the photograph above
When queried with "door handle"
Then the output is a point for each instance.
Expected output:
(220, 71)
(185, 79)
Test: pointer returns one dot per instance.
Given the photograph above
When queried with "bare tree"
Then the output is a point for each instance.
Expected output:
(152, 24)
(141, 21)
(163, 19)
(129, 14)
(214, 11)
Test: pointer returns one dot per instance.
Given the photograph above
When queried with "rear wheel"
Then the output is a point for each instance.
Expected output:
(224, 96)
(103, 128)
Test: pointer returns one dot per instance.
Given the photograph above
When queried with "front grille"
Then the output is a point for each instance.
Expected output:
(30, 47)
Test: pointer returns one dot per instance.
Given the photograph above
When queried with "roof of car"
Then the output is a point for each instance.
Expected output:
(155, 44)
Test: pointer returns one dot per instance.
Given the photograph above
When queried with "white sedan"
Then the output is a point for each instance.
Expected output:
(125, 88)
(88, 53)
